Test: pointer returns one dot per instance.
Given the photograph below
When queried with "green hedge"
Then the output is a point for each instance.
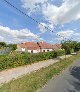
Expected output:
(60, 52)
(19, 59)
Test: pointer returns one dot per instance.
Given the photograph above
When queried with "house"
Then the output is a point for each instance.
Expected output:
(57, 46)
(30, 47)
(33, 47)
(45, 47)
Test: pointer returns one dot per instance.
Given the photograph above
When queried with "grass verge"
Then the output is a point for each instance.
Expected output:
(36, 80)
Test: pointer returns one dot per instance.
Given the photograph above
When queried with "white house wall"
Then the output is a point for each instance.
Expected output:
(23, 49)
(34, 51)
(30, 51)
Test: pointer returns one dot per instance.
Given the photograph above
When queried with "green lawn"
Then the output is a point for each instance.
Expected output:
(36, 80)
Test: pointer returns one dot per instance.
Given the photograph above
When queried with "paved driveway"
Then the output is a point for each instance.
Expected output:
(68, 81)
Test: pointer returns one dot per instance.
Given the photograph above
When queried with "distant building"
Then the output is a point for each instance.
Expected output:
(33, 47)
(30, 47)
(57, 46)
(45, 47)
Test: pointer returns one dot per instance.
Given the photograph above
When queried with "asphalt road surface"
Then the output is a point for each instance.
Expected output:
(68, 81)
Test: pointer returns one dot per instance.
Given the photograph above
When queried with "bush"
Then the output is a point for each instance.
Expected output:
(19, 59)
(60, 52)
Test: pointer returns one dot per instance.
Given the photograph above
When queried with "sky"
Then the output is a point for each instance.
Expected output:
(61, 17)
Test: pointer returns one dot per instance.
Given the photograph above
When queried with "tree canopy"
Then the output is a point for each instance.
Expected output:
(2, 44)
(12, 46)
(70, 45)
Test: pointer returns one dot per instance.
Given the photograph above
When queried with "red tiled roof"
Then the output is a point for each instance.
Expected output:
(44, 45)
(57, 46)
(30, 46)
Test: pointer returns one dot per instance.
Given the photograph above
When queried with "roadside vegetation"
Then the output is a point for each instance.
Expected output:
(16, 59)
(4, 45)
(70, 46)
(34, 81)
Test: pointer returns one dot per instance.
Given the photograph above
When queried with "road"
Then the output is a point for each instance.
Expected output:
(67, 81)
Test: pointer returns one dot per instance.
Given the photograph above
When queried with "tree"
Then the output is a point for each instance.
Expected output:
(66, 46)
(2, 44)
(77, 47)
(12, 46)
(71, 46)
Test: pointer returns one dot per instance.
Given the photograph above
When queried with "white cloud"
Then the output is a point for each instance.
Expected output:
(68, 34)
(77, 34)
(15, 36)
(49, 11)
(45, 27)
(33, 5)
(42, 27)
(67, 12)
(1, 38)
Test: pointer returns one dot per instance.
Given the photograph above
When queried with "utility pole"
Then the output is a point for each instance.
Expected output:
(65, 54)
(64, 48)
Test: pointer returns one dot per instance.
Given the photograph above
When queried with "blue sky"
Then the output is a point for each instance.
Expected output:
(60, 16)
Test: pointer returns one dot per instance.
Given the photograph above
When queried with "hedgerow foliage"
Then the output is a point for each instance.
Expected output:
(18, 59)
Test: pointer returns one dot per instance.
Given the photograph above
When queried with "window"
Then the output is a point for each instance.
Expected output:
(47, 50)
(43, 50)
(31, 51)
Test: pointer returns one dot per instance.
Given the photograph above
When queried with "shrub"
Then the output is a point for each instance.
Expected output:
(60, 52)
(19, 59)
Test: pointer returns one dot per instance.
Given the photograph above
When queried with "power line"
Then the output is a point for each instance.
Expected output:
(64, 39)
(32, 18)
